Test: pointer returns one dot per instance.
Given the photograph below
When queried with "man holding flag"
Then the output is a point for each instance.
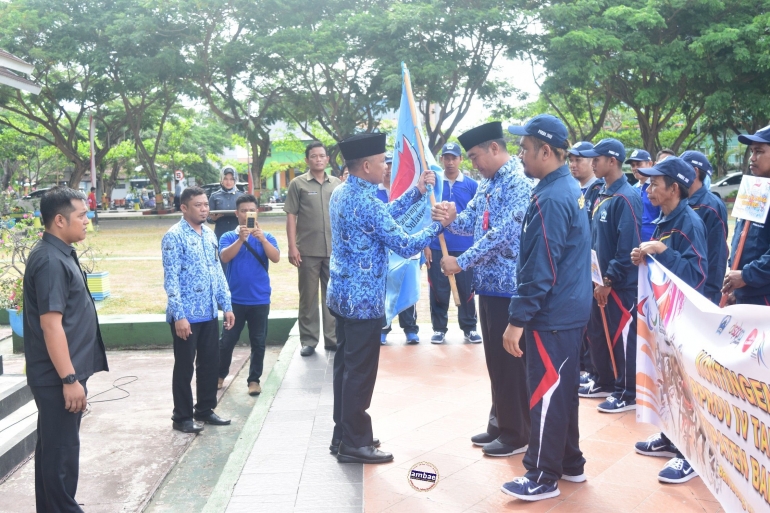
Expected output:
(494, 217)
(363, 229)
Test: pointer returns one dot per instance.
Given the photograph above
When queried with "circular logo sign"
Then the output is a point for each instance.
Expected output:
(750, 340)
(423, 476)
(178, 175)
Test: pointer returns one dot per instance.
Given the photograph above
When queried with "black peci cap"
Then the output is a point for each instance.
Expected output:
(481, 134)
(362, 145)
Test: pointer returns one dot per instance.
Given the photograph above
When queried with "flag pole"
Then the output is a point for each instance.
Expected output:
(738, 254)
(418, 137)
(609, 342)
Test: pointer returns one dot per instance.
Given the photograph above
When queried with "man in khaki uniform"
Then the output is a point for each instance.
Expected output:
(308, 229)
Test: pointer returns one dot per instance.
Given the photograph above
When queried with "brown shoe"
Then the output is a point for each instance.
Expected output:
(220, 382)
(254, 388)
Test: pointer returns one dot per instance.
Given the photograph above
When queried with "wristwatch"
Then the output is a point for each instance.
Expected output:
(68, 380)
(607, 282)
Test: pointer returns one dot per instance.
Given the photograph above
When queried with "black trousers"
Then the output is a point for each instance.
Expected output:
(201, 349)
(355, 372)
(621, 324)
(57, 453)
(441, 295)
(553, 370)
(509, 417)
(256, 316)
(406, 319)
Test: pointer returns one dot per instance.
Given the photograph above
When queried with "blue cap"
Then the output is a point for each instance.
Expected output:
(545, 127)
(697, 159)
(451, 149)
(762, 136)
(606, 148)
(580, 146)
(389, 158)
(639, 156)
(673, 167)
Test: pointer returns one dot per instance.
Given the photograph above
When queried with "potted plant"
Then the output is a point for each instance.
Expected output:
(12, 300)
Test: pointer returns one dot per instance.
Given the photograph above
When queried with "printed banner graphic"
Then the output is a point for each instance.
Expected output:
(403, 288)
(703, 378)
(753, 199)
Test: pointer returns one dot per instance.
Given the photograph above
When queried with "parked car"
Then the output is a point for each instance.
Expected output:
(724, 186)
(32, 200)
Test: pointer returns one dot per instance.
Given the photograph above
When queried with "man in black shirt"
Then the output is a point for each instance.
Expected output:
(62, 345)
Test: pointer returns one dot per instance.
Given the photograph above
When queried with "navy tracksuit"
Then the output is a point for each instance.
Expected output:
(553, 305)
(683, 232)
(460, 192)
(615, 231)
(755, 264)
(713, 213)
(590, 194)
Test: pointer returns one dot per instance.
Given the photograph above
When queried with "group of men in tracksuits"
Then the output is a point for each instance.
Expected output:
(555, 309)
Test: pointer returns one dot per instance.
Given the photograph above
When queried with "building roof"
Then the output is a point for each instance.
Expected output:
(10, 63)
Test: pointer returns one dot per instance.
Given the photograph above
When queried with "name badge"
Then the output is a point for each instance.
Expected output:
(312, 192)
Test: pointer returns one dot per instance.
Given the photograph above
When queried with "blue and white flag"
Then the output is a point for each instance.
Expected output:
(403, 288)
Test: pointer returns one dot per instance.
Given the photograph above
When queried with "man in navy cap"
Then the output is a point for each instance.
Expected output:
(714, 216)
(407, 319)
(583, 171)
(494, 217)
(679, 243)
(615, 232)
(459, 189)
(551, 308)
(363, 230)
(750, 283)
(640, 159)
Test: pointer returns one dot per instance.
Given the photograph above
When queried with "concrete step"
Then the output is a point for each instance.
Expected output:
(18, 422)
(14, 393)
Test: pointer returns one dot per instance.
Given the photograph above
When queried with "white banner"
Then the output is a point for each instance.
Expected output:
(703, 378)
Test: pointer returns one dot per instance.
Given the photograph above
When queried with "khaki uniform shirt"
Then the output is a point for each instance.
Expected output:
(309, 201)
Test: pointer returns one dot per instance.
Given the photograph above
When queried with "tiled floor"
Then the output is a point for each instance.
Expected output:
(427, 403)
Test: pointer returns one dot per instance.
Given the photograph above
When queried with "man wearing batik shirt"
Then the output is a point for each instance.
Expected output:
(494, 217)
(196, 286)
(363, 230)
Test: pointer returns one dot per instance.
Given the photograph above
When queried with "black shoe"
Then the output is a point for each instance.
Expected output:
(213, 419)
(307, 350)
(500, 450)
(335, 445)
(367, 454)
(483, 439)
(188, 426)
(331, 348)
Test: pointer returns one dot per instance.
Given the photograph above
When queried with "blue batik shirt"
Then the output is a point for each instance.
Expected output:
(363, 230)
(192, 274)
(495, 250)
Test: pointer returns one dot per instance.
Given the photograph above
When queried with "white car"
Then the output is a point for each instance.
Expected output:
(724, 186)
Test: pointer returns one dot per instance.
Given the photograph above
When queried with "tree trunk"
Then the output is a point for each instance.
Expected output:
(260, 147)
(7, 173)
(78, 173)
(110, 182)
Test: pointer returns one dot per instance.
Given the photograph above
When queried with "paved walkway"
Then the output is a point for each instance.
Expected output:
(428, 401)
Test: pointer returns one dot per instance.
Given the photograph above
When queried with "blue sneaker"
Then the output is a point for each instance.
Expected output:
(591, 390)
(677, 470)
(473, 337)
(587, 379)
(412, 338)
(526, 490)
(383, 338)
(656, 446)
(438, 337)
(614, 405)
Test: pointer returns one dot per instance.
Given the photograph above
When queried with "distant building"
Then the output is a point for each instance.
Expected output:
(10, 63)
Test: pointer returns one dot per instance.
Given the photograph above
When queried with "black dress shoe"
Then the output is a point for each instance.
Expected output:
(331, 348)
(188, 426)
(369, 454)
(500, 450)
(335, 446)
(307, 350)
(483, 439)
(213, 419)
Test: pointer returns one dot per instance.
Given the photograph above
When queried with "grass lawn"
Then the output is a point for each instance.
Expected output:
(130, 252)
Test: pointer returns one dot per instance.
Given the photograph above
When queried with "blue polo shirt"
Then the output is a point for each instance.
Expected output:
(247, 278)
(383, 194)
(649, 212)
(461, 192)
